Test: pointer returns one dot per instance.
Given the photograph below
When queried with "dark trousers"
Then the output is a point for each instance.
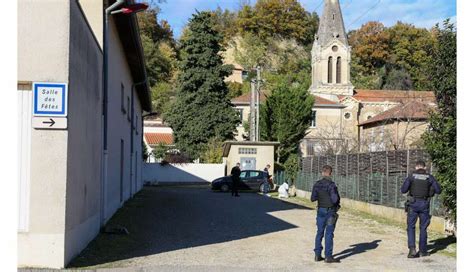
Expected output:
(235, 185)
(326, 229)
(418, 209)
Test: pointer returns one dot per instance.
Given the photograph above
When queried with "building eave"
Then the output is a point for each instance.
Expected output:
(129, 35)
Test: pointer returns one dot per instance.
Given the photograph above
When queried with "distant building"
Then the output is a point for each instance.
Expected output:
(63, 198)
(341, 114)
(156, 133)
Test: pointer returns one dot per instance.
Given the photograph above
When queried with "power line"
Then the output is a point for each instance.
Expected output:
(347, 4)
(365, 13)
(319, 5)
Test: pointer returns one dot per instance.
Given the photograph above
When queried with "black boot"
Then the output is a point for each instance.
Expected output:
(412, 253)
(424, 254)
(318, 258)
(331, 260)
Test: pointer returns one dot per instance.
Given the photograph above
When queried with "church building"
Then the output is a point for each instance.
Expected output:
(346, 119)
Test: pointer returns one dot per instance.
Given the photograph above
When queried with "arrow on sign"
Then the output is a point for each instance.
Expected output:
(50, 122)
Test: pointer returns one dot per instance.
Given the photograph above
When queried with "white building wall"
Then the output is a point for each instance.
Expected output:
(117, 189)
(182, 173)
(83, 190)
(65, 173)
(43, 55)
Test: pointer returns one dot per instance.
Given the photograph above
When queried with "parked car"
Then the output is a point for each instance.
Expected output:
(249, 180)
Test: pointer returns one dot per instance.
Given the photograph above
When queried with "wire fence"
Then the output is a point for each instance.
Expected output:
(374, 178)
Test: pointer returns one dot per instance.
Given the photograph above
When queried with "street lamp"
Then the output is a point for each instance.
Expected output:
(127, 9)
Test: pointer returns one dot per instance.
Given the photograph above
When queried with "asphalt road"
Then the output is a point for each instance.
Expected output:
(195, 229)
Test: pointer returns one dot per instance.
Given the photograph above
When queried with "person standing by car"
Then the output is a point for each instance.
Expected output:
(325, 192)
(235, 173)
(266, 180)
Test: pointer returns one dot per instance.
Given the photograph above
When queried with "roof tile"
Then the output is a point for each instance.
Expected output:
(157, 138)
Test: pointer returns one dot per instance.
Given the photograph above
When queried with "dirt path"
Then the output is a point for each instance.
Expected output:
(194, 229)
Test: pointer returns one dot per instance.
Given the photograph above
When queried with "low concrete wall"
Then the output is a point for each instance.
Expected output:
(189, 173)
(397, 215)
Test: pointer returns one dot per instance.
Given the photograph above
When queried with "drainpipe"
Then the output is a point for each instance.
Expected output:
(132, 145)
(105, 101)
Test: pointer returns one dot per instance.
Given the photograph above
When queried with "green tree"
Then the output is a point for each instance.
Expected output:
(201, 110)
(282, 18)
(213, 152)
(285, 117)
(160, 151)
(440, 140)
(370, 45)
(410, 49)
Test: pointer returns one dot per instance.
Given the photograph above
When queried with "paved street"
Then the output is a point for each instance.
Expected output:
(195, 229)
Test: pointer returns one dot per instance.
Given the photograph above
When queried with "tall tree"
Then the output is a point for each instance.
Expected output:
(440, 140)
(202, 109)
(410, 49)
(283, 18)
(370, 43)
(285, 117)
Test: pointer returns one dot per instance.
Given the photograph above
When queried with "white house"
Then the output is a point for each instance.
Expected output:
(68, 189)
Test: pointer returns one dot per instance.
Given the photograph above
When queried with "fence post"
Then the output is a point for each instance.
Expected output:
(368, 188)
(396, 192)
(387, 172)
(381, 189)
(358, 176)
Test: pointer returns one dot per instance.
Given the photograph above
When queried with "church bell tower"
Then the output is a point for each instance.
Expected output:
(331, 55)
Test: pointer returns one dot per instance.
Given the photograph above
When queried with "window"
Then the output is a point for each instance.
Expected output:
(334, 48)
(129, 114)
(338, 70)
(243, 174)
(330, 70)
(241, 115)
(313, 118)
(347, 115)
(244, 150)
(122, 98)
(253, 174)
(310, 149)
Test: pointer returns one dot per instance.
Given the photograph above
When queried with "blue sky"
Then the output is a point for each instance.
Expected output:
(422, 13)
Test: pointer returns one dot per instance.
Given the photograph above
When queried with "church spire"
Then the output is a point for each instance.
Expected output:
(331, 25)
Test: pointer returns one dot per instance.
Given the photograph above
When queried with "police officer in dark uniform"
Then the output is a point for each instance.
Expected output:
(235, 173)
(325, 192)
(420, 186)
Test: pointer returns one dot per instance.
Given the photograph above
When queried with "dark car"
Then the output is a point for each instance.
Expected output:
(249, 180)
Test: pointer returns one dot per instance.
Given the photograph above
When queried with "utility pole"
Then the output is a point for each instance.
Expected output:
(252, 111)
(257, 127)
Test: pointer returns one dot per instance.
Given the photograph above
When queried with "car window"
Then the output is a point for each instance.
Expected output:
(243, 174)
(254, 174)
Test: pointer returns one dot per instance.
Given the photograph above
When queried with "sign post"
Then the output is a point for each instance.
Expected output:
(50, 105)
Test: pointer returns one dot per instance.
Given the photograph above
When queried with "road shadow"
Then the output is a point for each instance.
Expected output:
(440, 244)
(163, 219)
(357, 249)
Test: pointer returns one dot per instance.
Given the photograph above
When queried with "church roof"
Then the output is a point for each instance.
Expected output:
(331, 24)
(413, 110)
(396, 96)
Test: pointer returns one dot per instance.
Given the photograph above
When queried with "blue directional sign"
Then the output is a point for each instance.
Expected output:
(49, 99)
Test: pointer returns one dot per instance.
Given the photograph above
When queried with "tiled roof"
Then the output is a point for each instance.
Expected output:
(392, 96)
(318, 100)
(245, 99)
(157, 138)
(414, 110)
